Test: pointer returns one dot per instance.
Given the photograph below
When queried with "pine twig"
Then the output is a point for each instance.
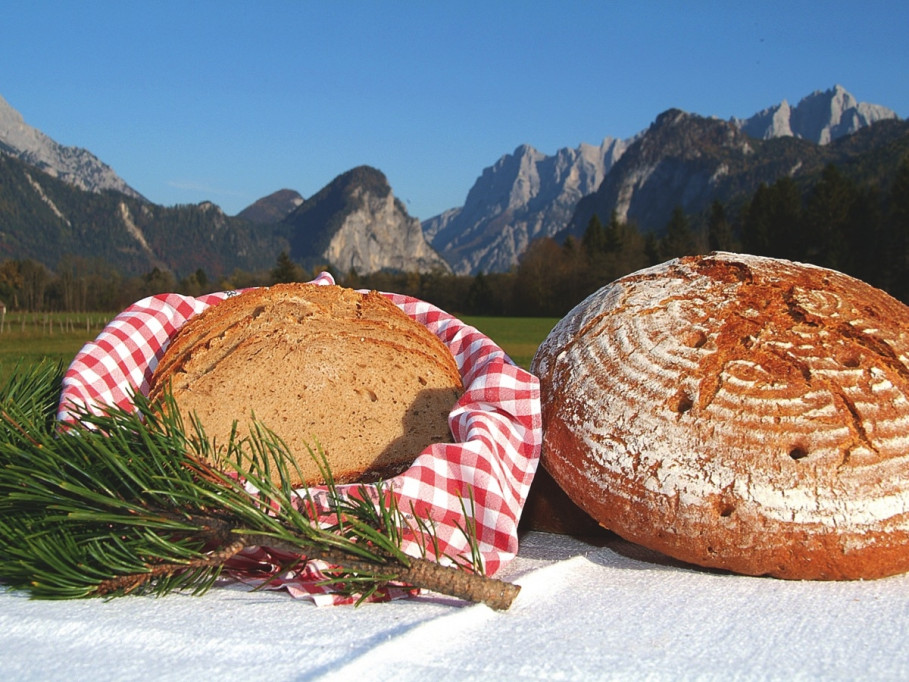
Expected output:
(130, 503)
(416, 572)
(129, 583)
(420, 573)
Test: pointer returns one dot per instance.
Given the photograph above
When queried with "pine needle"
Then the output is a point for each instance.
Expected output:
(135, 503)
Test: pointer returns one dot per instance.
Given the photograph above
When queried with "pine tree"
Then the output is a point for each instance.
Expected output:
(827, 213)
(614, 234)
(285, 270)
(870, 260)
(679, 239)
(719, 231)
(896, 233)
(651, 249)
(594, 239)
(772, 221)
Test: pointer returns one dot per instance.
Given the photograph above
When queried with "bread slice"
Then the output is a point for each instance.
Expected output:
(321, 366)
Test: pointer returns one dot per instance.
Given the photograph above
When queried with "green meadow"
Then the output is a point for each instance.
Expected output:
(27, 338)
(519, 337)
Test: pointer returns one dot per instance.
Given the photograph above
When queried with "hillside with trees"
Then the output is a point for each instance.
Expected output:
(860, 227)
(47, 220)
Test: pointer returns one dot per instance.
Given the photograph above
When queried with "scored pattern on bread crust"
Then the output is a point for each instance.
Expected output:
(737, 412)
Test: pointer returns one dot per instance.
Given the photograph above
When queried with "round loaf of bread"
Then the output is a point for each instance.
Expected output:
(321, 366)
(737, 412)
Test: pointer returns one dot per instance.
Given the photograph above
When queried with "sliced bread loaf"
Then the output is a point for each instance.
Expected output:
(322, 366)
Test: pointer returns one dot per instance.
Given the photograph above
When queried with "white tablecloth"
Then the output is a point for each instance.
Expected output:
(609, 611)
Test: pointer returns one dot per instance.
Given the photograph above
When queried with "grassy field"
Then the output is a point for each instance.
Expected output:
(517, 336)
(27, 338)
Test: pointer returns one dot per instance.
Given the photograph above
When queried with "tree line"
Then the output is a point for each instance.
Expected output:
(837, 222)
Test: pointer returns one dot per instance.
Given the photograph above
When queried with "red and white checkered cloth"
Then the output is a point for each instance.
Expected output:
(496, 424)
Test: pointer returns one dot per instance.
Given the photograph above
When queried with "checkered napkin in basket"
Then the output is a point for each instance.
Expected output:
(496, 424)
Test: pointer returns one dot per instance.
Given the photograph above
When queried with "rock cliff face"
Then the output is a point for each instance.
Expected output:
(681, 160)
(356, 223)
(821, 117)
(687, 161)
(73, 165)
(523, 196)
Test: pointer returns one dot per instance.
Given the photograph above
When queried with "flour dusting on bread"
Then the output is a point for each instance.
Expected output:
(737, 412)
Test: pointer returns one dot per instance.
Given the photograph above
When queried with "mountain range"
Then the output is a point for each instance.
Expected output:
(681, 160)
(523, 196)
(821, 117)
(58, 201)
(689, 162)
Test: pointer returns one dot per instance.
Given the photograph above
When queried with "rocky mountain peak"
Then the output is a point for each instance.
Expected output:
(670, 117)
(73, 165)
(356, 223)
(677, 161)
(522, 196)
(273, 208)
(679, 133)
(821, 117)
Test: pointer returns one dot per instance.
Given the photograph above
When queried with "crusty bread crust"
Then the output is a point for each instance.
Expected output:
(322, 366)
(737, 412)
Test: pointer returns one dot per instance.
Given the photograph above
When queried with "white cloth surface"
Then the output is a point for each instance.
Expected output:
(585, 612)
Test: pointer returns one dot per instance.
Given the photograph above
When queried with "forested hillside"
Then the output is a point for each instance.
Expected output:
(858, 227)
(46, 219)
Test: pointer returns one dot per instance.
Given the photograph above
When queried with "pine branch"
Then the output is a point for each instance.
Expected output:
(135, 503)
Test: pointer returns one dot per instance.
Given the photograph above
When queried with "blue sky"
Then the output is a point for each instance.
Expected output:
(230, 101)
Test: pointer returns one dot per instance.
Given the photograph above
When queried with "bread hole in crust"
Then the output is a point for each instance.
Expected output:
(726, 509)
(681, 402)
(798, 452)
(367, 393)
(695, 339)
(724, 503)
(849, 358)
